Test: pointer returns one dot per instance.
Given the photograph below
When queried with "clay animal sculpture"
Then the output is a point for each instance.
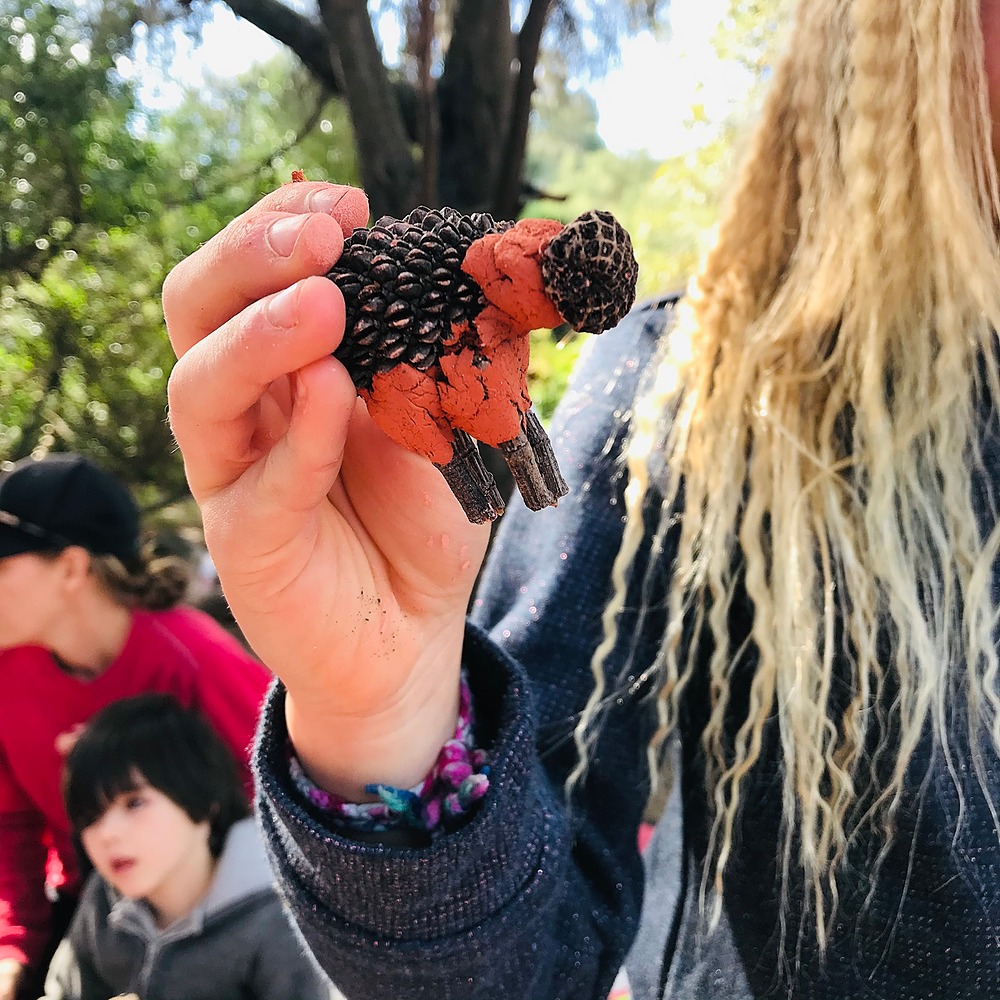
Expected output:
(439, 308)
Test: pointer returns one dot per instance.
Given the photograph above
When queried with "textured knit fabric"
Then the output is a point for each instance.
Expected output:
(539, 900)
(182, 652)
(236, 944)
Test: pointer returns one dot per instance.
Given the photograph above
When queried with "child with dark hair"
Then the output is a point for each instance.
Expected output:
(181, 902)
(89, 614)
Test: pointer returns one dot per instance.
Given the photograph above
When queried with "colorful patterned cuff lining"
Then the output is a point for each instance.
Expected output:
(458, 780)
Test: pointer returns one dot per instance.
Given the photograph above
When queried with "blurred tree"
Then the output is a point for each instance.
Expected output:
(668, 206)
(67, 159)
(76, 282)
(446, 123)
(752, 33)
(98, 200)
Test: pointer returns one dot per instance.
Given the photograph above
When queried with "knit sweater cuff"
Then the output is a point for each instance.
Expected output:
(409, 893)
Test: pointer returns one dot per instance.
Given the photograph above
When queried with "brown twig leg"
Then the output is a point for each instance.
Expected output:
(471, 482)
(544, 455)
(533, 465)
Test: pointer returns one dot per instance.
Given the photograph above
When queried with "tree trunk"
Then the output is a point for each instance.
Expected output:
(474, 98)
(305, 37)
(508, 194)
(428, 115)
(472, 127)
(388, 168)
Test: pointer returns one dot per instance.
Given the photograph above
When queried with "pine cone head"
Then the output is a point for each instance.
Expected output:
(590, 272)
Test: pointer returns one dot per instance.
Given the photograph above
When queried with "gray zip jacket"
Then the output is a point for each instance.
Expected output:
(236, 944)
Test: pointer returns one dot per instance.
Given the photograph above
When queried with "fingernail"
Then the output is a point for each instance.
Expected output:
(282, 309)
(327, 199)
(282, 235)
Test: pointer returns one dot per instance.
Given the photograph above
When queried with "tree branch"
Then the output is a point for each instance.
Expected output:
(474, 96)
(59, 341)
(307, 38)
(205, 191)
(389, 169)
(428, 116)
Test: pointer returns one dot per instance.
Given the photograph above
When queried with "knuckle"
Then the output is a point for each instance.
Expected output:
(171, 291)
(177, 392)
(241, 243)
(181, 392)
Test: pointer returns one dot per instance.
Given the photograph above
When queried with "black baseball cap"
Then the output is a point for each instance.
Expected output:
(63, 500)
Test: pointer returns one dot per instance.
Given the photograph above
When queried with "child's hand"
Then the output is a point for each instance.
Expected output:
(11, 974)
(65, 741)
(346, 560)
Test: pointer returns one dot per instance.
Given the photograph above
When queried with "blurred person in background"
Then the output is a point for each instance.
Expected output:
(87, 616)
(181, 905)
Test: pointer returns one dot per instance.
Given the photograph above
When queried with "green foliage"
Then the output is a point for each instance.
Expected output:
(217, 162)
(67, 158)
(752, 32)
(669, 207)
(553, 355)
(91, 365)
(100, 200)
(80, 335)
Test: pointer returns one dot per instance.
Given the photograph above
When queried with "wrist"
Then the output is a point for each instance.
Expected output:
(446, 795)
(344, 754)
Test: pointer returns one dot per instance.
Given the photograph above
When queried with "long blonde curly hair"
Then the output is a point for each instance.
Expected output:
(854, 282)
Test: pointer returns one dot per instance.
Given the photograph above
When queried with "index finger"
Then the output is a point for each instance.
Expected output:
(243, 263)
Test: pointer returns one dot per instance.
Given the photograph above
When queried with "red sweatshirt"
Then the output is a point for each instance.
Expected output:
(183, 652)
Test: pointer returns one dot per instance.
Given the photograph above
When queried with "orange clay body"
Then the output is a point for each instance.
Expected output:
(480, 386)
(406, 404)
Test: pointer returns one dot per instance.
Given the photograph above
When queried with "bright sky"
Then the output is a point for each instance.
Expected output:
(660, 73)
(663, 74)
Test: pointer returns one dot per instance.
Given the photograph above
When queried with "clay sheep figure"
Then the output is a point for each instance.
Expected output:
(439, 308)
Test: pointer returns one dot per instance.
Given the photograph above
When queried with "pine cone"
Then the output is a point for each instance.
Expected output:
(404, 287)
(590, 272)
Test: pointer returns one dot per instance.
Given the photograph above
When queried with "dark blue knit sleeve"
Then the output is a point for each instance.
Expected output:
(535, 897)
